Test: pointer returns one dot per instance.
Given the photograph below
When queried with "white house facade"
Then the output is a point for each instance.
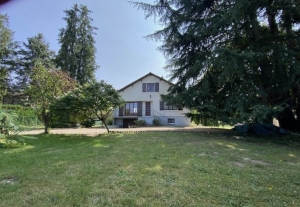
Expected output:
(143, 102)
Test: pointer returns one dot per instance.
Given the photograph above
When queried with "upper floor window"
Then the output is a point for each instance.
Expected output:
(150, 87)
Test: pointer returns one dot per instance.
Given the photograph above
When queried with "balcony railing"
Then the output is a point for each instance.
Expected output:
(154, 114)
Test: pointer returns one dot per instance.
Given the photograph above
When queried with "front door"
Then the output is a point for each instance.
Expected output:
(148, 109)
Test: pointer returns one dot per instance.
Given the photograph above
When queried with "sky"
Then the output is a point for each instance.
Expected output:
(123, 53)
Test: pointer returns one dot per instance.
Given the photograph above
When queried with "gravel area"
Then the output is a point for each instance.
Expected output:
(96, 131)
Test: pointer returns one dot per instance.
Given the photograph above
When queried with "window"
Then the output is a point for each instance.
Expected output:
(170, 107)
(171, 121)
(165, 106)
(131, 109)
(150, 87)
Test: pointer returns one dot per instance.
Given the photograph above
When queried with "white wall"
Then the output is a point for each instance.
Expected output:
(134, 93)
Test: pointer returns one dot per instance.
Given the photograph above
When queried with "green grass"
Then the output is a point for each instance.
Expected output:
(149, 169)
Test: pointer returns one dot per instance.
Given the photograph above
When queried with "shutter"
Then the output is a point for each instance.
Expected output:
(121, 111)
(144, 87)
(156, 87)
(139, 108)
(161, 105)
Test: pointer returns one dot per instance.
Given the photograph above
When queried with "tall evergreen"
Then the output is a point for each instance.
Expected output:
(35, 51)
(234, 61)
(7, 49)
(77, 52)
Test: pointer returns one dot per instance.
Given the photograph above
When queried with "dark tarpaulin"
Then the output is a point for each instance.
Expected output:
(259, 129)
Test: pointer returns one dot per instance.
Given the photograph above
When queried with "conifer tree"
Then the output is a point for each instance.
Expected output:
(77, 52)
(7, 48)
(35, 50)
(234, 61)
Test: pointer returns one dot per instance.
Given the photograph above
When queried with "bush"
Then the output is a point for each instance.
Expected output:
(11, 107)
(8, 126)
(88, 123)
(209, 122)
(156, 122)
(26, 116)
(61, 124)
(140, 123)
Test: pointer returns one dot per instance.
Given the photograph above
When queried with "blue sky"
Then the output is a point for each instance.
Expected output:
(123, 53)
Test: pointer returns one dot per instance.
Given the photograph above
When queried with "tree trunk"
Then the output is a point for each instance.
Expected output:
(103, 121)
(46, 120)
(46, 130)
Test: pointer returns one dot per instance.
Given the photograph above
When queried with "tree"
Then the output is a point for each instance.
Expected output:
(77, 52)
(7, 48)
(234, 61)
(92, 101)
(45, 87)
(36, 50)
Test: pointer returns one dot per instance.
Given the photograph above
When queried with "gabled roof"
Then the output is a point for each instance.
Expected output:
(140, 79)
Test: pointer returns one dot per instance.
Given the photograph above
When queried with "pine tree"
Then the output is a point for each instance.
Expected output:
(77, 52)
(234, 61)
(35, 51)
(7, 48)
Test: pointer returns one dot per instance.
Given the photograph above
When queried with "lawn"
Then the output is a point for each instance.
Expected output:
(150, 169)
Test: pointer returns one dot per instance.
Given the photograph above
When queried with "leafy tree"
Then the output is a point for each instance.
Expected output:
(36, 50)
(234, 61)
(77, 52)
(91, 101)
(7, 48)
(47, 85)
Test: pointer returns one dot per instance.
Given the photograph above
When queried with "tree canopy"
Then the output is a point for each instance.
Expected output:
(7, 47)
(45, 87)
(94, 100)
(234, 61)
(77, 52)
(35, 50)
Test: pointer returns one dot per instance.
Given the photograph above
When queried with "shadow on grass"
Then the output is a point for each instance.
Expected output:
(289, 139)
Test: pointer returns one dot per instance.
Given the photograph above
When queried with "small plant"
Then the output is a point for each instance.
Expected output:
(140, 123)
(156, 122)
(6, 124)
(9, 131)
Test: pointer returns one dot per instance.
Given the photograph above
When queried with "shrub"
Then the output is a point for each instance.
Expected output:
(61, 124)
(8, 126)
(11, 107)
(156, 122)
(7, 123)
(26, 116)
(88, 123)
(140, 123)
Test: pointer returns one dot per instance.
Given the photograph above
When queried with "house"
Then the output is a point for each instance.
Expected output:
(16, 99)
(143, 102)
